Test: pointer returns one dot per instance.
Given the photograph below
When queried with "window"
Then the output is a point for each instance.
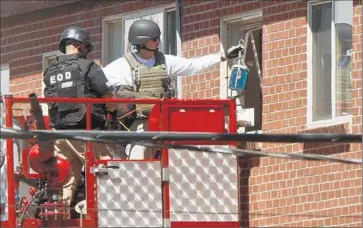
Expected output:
(115, 33)
(246, 26)
(5, 79)
(330, 59)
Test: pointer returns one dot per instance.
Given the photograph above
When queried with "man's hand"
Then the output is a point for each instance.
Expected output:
(113, 123)
(125, 108)
(233, 51)
(126, 113)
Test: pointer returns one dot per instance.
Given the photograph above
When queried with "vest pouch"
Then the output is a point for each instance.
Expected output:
(149, 93)
(151, 86)
(70, 87)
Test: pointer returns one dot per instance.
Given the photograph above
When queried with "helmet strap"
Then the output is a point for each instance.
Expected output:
(152, 50)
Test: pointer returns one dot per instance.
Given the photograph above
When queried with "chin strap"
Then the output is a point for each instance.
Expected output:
(152, 50)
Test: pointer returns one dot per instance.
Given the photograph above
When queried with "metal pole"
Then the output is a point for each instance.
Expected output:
(10, 162)
(169, 136)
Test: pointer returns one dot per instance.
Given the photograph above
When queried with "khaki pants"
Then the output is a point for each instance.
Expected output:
(138, 152)
(73, 151)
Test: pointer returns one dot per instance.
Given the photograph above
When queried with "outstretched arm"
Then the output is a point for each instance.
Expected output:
(179, 66)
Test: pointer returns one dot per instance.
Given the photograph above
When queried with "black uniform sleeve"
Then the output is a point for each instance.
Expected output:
(97, 80)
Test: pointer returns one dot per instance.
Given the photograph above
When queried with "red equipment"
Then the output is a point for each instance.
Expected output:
(165, 210)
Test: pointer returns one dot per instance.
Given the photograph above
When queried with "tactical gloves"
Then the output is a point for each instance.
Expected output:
(124, 112)
(232, 52)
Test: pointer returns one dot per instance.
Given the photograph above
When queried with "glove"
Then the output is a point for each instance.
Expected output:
(113, 122)
(124, 107)
(169, 91)
(233, 52)
(123, 110)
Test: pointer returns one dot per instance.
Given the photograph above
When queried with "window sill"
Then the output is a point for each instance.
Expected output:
(331, 122)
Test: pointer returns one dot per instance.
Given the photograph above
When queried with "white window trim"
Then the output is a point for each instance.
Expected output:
(6, 66)
(334, 120)
(137, 13)
(105, 44)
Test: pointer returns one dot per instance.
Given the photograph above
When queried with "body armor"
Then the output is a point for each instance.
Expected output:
(150, 82)
(67, 78)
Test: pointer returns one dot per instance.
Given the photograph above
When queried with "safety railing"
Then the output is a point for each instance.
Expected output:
(160, 122)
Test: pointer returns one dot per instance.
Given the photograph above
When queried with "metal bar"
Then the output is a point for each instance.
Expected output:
(233, 129)
(257, 62)
(10, 162)
(122, 136)
(243, 152)
(117, 100)
(90, 178)
(247, 36)
(165, 126)
(233, 119)
(46, 147)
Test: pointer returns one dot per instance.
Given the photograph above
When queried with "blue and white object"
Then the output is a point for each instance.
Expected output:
(239, 72)
(238, 78)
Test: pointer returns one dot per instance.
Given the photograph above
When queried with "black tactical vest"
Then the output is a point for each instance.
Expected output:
(67, 78)
(150, 82)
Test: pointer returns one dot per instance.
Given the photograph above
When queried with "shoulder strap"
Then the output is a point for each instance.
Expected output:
(134, 64)
(159, 59)
(51, 66)
(130, 58)
(85, 65)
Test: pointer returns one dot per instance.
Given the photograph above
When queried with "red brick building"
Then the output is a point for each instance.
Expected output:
(309, 55)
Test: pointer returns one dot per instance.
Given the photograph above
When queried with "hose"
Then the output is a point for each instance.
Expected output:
(36, 196)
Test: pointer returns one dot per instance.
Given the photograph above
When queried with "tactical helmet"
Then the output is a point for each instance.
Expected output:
(75, 33)
(142, 31)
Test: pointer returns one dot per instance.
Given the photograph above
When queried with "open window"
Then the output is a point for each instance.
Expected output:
(248, 27)
(5, 79)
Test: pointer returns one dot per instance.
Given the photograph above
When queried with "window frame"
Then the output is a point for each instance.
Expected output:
(138, 13)
(6, 67)
(334, 119)
(249, 19)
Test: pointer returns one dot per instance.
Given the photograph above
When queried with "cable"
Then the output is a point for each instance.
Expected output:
(108, 138)
(117, 136)
(36, 196)
(242, 152)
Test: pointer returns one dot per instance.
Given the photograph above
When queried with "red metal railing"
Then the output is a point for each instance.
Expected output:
(91, 194)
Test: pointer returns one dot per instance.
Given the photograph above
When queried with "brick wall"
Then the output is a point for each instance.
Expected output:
(11, 8)
(25, 38)
(274, 192)
(302, 193)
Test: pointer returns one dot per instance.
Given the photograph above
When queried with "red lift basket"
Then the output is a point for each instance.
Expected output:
(181, 189)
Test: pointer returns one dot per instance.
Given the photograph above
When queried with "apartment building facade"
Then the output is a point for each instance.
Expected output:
(305, 60)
